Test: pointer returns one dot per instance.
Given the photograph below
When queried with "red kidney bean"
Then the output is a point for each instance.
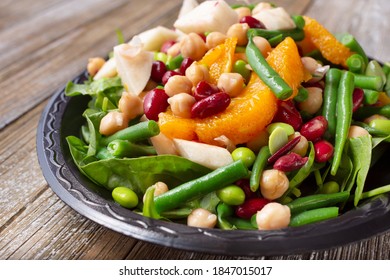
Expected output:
(165, 47)
(357, 98)
(250, 207)
(252, 22)
(245, 186)
(314, 129)
(185, 64)
(287, 113)
(158, 70)
(290, 162)
(169, 74)
(319, 84)
(203, 89)
(323, 151)
(210, 105)
(155, 102)
(284, 150)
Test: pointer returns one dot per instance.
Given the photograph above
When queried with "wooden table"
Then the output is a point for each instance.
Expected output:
(43, 44)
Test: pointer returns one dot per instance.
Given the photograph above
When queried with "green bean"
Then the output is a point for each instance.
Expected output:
(258, 166)
(332, 80)
(212, 181)
(368, 82)
(103, 153)
(356, 64)
(350, 41)
(274, 41)
(313, 216)
(370, 96)
(269, 76)
(134, 133)
(317, 201)
(344, 117)
(124, 148)
(367, 111)
(240, 223)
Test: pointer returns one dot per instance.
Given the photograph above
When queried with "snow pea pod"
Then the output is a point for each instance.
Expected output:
(344, 117)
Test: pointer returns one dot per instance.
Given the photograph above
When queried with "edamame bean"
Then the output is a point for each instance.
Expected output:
(125, 197)
(231, 195)
(245, 154)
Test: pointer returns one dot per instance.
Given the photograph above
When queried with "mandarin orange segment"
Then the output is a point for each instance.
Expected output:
(220, 59)
(247, 115)
(176, 127)
(330, 48)
(286, 61)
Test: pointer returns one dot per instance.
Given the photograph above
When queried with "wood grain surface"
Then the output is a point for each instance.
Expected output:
(43, 44)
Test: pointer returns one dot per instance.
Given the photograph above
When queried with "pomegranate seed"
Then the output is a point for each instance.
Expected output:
(155, 102)
(250, 207)
(245, 186)
(210, 105)
(165, 47)
(252, 22)
(290, 162)
(287, 113)
(185, 64)
(357, 98)
(169, 74)
(158, 70)
(203, 89)
(284, 150)
(323, 151)
(314, 129)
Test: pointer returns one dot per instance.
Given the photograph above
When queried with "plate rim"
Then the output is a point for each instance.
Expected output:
(59, 174)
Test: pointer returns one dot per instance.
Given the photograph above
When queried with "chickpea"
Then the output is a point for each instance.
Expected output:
(243, 12)
(193, 46)
(174, 50)
(374, 117)
(356, 131)
(214, 39)
(263, 45)
(197, 72)
(130, 105)
(310, 64)
(178, 84)
(239, 30)
(313, 102)
(181, 104)
(231, 83)
(160, 188)
(94, 65)
(273, 184)
(202, 218)
(302, 146)
(112, 122)
(273, 216)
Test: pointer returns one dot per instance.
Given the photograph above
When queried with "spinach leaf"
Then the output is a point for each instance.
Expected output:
(140, 173)
(344, 171)
(107, 85)
(360, 152)
(79, 152)
(305, 171)
(93, 120)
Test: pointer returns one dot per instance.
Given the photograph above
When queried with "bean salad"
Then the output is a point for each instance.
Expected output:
(238, 117)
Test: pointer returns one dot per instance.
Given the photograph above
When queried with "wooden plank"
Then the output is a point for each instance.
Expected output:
(36, 76)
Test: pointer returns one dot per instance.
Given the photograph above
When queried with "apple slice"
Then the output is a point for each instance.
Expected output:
(207, 155)
(208, 16)
(134, 66)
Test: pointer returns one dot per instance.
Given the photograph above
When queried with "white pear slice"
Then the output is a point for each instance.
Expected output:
(108, 70)
(208, 16)
(134, 66)
(207, 155)
(187, 6)
(154, 38)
